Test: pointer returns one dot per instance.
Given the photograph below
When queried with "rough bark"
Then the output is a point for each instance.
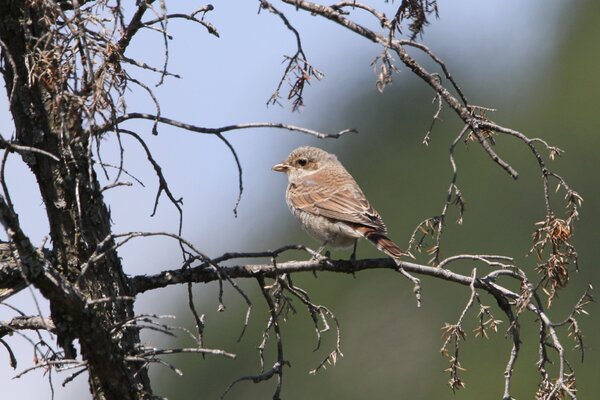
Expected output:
(78, 218)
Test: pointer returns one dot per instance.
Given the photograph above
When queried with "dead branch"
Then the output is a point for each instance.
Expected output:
(26, 323)
(214, 131)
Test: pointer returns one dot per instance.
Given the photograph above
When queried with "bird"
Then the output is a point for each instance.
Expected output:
(330, 205)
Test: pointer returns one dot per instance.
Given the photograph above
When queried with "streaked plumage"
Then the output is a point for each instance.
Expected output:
(329, 204)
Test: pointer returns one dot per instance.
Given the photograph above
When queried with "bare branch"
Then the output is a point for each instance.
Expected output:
(17, 148)
(296, 64)
(199, 129)
(204, 273)
(453, 334)
(163, 185)
(190, 17)
(383, 21)
(133, 26)
(239, 167)
(157, 352)
(277, 369)
(464, 112)
(26, 323)
(15, 75)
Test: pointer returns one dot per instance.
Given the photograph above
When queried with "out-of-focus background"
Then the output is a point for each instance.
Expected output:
(536, 62)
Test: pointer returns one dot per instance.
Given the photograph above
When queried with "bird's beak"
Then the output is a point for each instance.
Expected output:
(281, 167)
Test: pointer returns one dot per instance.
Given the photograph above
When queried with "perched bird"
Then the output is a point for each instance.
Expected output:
(330, 206)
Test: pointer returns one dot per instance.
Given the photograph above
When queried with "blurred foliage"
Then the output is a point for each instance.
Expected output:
(392, 349)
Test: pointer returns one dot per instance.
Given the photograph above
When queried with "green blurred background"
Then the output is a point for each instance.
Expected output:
(391, 348)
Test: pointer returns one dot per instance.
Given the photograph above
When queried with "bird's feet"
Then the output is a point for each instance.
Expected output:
(353, 255)
(317, 256)
(353, 259)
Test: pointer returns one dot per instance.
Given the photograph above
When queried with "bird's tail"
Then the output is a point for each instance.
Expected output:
(382, 242)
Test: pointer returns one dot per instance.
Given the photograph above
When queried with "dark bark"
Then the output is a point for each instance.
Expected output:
(78, 218)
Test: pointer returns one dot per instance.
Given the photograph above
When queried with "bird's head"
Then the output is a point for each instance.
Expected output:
(304, 161)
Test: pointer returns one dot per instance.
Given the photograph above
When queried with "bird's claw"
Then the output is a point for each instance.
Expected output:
(353, 259)
(321, 257)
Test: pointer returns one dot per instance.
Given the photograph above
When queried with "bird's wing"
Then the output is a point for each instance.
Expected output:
(336, 197)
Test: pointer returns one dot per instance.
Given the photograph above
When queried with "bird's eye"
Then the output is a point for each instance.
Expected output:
(302, 162)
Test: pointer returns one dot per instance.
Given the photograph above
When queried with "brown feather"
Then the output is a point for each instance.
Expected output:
(321, 194)
(329, 203)
(382, 242)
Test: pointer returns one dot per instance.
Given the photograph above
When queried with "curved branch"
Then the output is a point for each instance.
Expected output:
(190, 17)
(214, 131)
(239, 168)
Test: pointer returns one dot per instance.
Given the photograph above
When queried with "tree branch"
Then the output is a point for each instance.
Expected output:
(465, 112)
(26, 323)
(214, 131)
(206, 273)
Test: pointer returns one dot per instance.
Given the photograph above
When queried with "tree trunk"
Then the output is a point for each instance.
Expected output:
(47, 116)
